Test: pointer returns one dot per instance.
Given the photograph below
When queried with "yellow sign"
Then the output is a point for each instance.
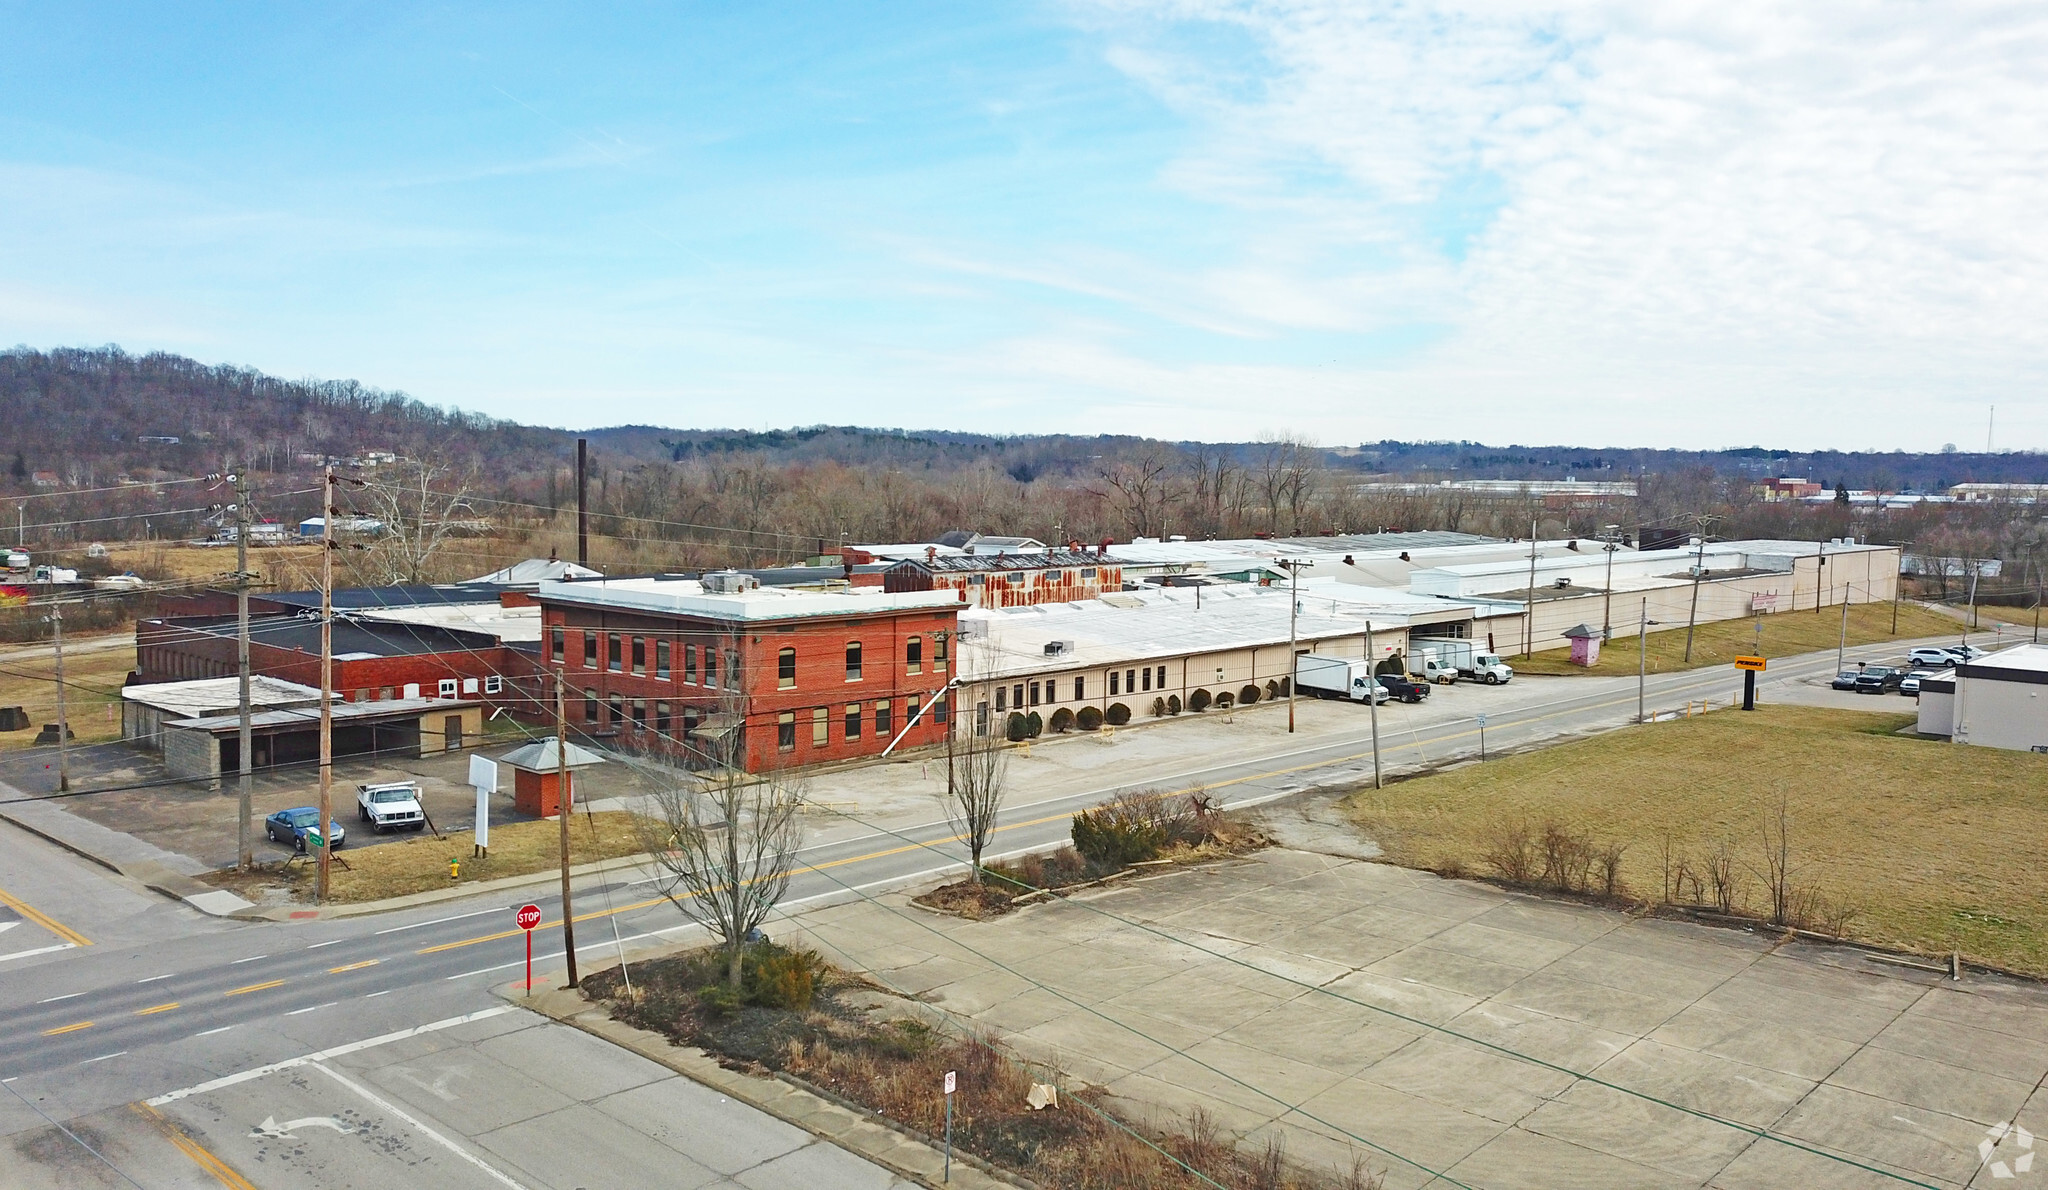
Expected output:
(1755, 663)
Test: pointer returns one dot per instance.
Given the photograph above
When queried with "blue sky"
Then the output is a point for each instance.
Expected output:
(1482, 220)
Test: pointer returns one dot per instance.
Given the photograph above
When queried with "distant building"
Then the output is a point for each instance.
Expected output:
(1009, 580)
(46, 479)
(2018, 493)
(1787, 488)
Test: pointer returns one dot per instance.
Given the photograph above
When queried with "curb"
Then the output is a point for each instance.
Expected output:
(898, 1149)
(297, 912)
(214, 902)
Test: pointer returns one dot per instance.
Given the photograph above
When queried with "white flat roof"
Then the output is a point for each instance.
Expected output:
(210, 696)
(2027, 658)
(513, 625)
(687, 597)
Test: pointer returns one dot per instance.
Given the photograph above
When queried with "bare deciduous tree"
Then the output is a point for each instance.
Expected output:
(728, 838)
(421, 505)
(977, 769)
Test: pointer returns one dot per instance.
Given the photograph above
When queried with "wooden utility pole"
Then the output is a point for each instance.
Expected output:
(562, 805)
(1698, 568)
(1293, 604)
(1529, 609)
(245, 854)
(63, 725)
(1372, 702)
(326, 821)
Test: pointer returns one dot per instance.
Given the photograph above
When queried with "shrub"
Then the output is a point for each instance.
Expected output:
(1272, 690)
(1158, 708)
(1248, 696)
(1018, 728)
(721, 999)
(777, 977)
(1088, 718)
(1198, 701)
(1173, 704)
(1133, 827)
(1118, 715)
(1035, 724)
(1062, 721)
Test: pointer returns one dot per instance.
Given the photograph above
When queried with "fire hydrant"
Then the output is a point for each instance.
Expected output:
(454, 869)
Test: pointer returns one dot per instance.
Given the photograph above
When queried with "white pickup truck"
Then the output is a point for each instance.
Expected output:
(393, 805)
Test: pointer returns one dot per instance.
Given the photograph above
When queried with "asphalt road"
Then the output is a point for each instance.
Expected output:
(160, 997)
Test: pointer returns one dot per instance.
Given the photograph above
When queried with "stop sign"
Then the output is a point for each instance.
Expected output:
(529, 916)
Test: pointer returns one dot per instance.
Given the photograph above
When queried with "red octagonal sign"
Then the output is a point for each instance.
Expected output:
(529, 916)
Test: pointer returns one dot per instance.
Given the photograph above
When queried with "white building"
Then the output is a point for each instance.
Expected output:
(2000, 701)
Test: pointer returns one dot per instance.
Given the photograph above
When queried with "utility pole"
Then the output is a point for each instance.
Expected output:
(1820, 574)
(1698, 567)
(1642, 658)
(1293, 605)
(326, 820)
(1607, 609)
(1529, 608)
(245, 854)
(1372, 702)
(582, 508)
(562, 802)
(1842, 645)
(63, 725)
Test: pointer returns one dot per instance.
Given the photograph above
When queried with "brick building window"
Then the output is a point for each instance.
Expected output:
(663, 720)
(939, 709)
(732, 669)
(640, 713)
(640, 655)
(785, 731)
(495, 684)
(853, 721)
(590, 707)
(939, 653)
(383, 692)
(1080, 689)
(446, 688)
(555, 646)
(618, 711)
(661, 660)
(820, 723)
(913, 655)
(884, 723)
(710, 666)
(690, 664)
(612, 659)
(785, 670)
(590, 650)
(853, 661)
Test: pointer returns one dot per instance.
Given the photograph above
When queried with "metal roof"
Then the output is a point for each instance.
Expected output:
(1048, 560)
(687, 597)
(542, 756)
(342, 712)
(204, 696)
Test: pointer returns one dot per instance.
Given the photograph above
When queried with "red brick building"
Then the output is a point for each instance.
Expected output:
(1010, 580)
(802, 677)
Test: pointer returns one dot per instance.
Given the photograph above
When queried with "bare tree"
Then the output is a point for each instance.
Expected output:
(420, 506)
(1288, 466)
(1140, 487)
(977, 770)
(728, 838)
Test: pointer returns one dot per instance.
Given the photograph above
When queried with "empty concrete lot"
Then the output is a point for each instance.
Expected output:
(1483, 1038)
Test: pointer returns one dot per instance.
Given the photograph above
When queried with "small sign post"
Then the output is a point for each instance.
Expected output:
(528, 917)
(1482, 738)
(1750, 667)
(952, 1079)
(483, 774)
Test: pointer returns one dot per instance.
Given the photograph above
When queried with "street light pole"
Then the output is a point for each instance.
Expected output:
(245, 855)
(1372, 702)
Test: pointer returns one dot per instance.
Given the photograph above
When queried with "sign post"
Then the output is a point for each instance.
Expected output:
(1482, 738)
(528, 917)
(1750, 667)
(951, 1081)
(483, 774)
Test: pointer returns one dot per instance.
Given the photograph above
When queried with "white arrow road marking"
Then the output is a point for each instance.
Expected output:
(7, 925)
(270, 1129)
(416, 1126)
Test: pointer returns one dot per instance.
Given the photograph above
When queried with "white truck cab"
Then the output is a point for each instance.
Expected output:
(390, 806)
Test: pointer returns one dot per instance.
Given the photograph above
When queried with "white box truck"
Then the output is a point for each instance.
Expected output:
(1468, 659)
(1337, 677)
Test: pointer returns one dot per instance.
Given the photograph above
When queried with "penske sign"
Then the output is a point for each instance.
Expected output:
(1750, 663)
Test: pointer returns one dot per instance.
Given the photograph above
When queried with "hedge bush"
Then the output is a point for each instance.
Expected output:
(1134, 827)
(1088, 718)
(1062, 721)
(1223, 701)
(1034, 724)
(1247, 696)
(1017, 728)
(1158, 708)
(1118, 715)
(1173, 704)
(1198, 701)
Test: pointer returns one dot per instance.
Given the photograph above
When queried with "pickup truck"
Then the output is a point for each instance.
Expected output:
(1403, 688)
(393, 805)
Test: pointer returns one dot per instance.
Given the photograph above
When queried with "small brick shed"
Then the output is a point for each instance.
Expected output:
(535, 771)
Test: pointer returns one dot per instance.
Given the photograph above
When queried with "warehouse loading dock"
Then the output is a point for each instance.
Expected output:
(203, 749)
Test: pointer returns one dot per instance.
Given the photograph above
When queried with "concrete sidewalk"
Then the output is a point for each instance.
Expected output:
(165, 872)
(1497, 1039)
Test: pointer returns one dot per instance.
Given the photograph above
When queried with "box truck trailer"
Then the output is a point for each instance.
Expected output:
(1337, 677)
(1467, 658)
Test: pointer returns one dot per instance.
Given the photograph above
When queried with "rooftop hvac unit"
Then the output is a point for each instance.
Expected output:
(729, 582)
(1563, 583)
(1058, 648)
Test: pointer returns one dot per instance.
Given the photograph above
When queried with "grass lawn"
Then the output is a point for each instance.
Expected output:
(93, 688)
(1719, 643)
(1937, 846)
(420, 862)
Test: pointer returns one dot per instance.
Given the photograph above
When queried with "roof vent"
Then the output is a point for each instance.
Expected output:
(1563, 583)
(1058, 648)
(729, 582)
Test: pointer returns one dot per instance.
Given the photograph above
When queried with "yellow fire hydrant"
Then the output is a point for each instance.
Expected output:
(454, 868)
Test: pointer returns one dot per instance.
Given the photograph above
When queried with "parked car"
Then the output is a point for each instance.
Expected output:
(1879, 679)
(1846, 680)
(1910, 684)
(1964, 653)
(1404, 689)
(290, 826)
(1929, 655)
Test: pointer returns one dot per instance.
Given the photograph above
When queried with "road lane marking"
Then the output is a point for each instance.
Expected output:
(65, 996)
(67, 1028)
(211, 1032)
(393, 1109)
(254, 987)
(439, 920)
(102, 1057)
(22, 954)
(222, 1172)
(314, 1008)
(154, 978)
(354, 966)
(374, 995)
(252, 958)
(329, 942)
(157, 1009)
(335, 1052)
(66, 933)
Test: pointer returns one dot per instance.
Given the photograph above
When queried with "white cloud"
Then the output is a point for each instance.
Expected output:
(1805, 212)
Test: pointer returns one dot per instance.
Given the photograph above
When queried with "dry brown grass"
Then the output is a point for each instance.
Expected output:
(92, 676)
(1720, 643)
(419, 862)
(1929, 845)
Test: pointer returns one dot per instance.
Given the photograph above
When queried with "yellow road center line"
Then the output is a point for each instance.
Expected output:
(157, 1009)
(67, 934)
(255, 987)
(354, 966)
(67, 1028)
(222, 1172)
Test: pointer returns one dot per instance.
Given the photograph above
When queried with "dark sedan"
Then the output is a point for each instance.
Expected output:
(290, 826)
(1879, 679)
(1846, 680)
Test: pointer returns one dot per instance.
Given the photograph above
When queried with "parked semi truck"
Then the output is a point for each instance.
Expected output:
(1337, 677)
(1467, 658)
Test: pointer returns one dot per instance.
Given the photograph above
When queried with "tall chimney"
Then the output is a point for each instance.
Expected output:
(582, 503)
